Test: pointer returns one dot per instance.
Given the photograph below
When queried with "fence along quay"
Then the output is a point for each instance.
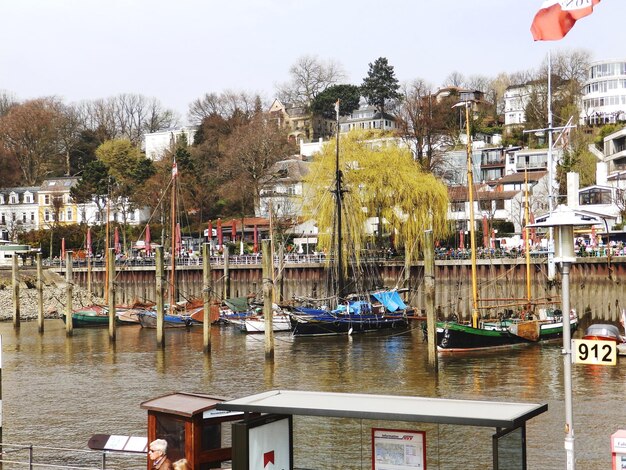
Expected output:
(595, 281)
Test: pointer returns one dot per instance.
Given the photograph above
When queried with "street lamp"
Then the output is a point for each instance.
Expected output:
(562, 220)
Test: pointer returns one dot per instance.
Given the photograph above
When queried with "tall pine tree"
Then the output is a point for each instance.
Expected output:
(380, 85)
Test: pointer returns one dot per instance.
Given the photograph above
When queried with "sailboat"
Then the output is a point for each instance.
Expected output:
(354, 313)
(485, 334)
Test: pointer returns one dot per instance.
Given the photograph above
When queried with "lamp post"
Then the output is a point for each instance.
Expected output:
(562, 221)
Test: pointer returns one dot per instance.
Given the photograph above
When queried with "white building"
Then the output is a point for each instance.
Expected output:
(18, 211)
(156, 143)
(366, 117)
(516, 98)
(604, 93)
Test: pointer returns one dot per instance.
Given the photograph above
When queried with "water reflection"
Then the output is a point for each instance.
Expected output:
(59, 390)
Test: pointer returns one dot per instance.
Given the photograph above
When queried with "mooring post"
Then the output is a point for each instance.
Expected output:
(429, 294)
(39, 294)
(15, 279)
(281, 270)
(159, 281)
(268, 291)
(111, 295)
(69, 290)
(226, 290)
(206, 296)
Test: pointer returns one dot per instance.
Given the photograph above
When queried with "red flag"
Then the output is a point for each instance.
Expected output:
(88, 247)
(220, 236)
(234, 231)
(62, 249)
(533, 231)
(461, 239)
(593, 236)
(148, 243)
(493, 239)
(256, 240)
(116, 241)
(174, 169)
(179, 244)
(485, 232)
(556, 17)
(268, 457)
(210, 236)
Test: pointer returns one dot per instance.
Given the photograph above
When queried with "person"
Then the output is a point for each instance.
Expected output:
(181, 464)
(158, 455)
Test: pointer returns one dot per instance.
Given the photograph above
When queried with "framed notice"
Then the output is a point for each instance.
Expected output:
(394, 449)
(263, 443)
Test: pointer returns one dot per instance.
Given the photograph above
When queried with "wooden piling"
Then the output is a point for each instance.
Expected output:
(206, 297)
(268, 294)
(281, 270)
(226, 290)
(429, 294)
(69, 289)
(40, 311)
(15, 279)
(160, 282)
(111, 292)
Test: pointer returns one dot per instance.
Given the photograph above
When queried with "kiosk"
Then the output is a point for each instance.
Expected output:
(192, 427)
(618, 450)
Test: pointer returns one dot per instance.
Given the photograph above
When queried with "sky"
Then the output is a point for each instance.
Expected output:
(176, 51)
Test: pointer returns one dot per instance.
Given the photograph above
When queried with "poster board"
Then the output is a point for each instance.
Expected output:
(263, 443)
(395, 449)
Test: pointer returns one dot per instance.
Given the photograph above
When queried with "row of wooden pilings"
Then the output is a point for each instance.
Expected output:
(207, 289)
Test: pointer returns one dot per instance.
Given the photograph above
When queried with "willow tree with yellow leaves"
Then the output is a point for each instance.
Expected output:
(380, 181)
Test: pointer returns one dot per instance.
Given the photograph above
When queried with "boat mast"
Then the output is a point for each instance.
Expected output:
(106, 248)
(527, 237)
(338, 201)
(173, 238)
(470, 184)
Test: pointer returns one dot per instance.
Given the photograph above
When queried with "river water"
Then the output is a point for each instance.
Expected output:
(58, 391)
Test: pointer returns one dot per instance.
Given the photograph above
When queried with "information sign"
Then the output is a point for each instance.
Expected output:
(594, 351)
(394, 449)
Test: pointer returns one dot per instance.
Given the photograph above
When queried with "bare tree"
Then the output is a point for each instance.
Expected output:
(29, 133)
(309, 77)
(7, 101)
(454, 79)
(126, 116)
(226, 105)
(478, 82)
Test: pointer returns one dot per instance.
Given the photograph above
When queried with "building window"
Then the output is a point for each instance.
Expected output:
(13, 216)
(69, 214)
(484, 205)
(32, 217)
(3, 220)
(24, 217)
(595, 196)
(457, 207)
(13, 199)
(46, 199)
(499, 204)
(46, 216)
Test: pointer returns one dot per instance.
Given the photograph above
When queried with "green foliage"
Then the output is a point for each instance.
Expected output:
(324, 103)
(93, 182)
(605, 130)
(381, 84)
(380, 179)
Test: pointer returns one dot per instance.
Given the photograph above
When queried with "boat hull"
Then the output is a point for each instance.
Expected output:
(459, 337)
(325, 323)
(257, 325)
(149, 320)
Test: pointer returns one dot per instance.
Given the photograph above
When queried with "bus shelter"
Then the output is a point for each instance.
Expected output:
(267, 437)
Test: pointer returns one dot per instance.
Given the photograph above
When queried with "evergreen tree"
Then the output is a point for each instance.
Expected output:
(324, 103)
(380, 85)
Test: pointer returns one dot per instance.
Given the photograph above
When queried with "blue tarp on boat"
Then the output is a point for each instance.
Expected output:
(358, 307)
(390, 299)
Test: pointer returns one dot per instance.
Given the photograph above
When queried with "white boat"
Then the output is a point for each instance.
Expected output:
(256, 324)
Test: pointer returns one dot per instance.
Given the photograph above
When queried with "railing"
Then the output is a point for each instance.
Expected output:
(29, 456)
(320, 258)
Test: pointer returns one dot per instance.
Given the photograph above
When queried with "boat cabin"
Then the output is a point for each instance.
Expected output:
(192, 427)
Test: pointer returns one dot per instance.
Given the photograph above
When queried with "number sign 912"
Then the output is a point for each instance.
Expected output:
(592, 351)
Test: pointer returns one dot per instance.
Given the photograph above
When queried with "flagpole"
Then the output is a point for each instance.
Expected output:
(551, 264)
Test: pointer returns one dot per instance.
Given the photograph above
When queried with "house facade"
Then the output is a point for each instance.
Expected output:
(18, 212)
(302, 125)
(157, 143)
(367, 117)
(55, 204)
(604, 93)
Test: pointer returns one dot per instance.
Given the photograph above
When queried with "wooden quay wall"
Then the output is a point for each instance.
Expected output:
(595, 283)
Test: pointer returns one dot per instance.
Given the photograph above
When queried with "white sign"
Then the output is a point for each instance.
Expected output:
(394, 449)
(269, 446)
(594, 351)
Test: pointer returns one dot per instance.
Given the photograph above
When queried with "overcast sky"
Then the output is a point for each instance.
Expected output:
(178, 50)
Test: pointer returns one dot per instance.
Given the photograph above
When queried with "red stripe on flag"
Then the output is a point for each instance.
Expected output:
(555, 19)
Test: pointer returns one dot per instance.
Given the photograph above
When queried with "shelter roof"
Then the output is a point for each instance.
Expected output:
(388, 408)
(182, 404)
